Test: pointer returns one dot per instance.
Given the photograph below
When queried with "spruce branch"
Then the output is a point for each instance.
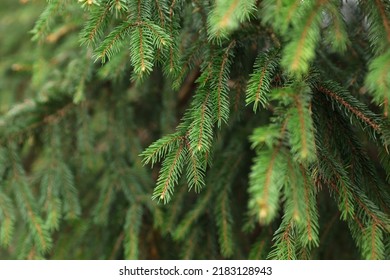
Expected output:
(43, 24)
(196, 168)
(201, 130)
(7, 218)
(300, 51)
(224, 221)
(170, 173)
(284, 247)
(222, 88)
(311, 225)
(265, 182)
(333, 174)
(301, 129)
(96, 25)
(344, 100)
(260, 80)
(378, 78)
(379, 24)
(132, 230)
(157, 150)
(227, 15)
(112, 44)
(336, 34)
(182, 230)
(279, 14)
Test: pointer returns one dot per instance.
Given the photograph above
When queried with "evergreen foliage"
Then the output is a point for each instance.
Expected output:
(177, 129)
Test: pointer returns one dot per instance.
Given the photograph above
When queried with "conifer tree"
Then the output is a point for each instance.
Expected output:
(191, 129)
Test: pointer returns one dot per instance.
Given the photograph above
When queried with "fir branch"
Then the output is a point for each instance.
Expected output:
(222, 87)
(260, 80)
(162, 7)
(375, 236)
(226, 16)
(196, 167)
(385, 17)
(293, 191)
(50, 198)
(335, 176)
(157, 150)
(379, 24)
(160, 37)
(71, 202)
(311, 212)
(378, 78)
(336, 34)
(201, 132)
(142, 51)
(284, 247)
(301, 129)
(113, 42)
(279, 13)
(224, 222)
(369, 209)
(7, 218)
(172, 67)
(301, 50)
(300, 205)
(132, 230)
(359, 110)
(265, 182)
(170, 173)
(96, 24)
(27, 204)
(191, 59)
(108, 184)
(258, 250)
(43, 24)
(193, 215)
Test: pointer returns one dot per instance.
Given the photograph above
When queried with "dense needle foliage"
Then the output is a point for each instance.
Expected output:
(178, 129)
